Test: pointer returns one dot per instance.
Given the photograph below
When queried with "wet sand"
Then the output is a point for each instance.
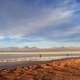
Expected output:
(12, 65)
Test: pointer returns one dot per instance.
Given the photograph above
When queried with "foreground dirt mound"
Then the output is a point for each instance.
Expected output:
(68, 69)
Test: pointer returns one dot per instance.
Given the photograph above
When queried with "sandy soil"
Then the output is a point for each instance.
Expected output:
(68, 69)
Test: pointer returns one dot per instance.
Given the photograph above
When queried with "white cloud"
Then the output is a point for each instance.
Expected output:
(67, 33)
(51, 17)
(27, 26)
(72, 31)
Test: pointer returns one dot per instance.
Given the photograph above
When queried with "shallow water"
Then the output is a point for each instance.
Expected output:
(9, 56)
(22, 64)
(30, 55)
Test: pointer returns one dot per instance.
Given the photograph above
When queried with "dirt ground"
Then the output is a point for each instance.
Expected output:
(68, 69)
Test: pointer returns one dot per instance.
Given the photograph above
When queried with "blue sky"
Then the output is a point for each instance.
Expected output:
(40, 23)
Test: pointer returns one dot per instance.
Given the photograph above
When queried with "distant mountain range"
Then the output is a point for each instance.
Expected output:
(40, 49)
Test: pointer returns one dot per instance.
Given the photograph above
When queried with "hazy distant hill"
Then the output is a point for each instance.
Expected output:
(39, 49)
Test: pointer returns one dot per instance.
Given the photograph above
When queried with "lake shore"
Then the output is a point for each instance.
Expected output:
(65, 69)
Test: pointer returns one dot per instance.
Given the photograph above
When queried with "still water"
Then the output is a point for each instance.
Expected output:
(31, 55)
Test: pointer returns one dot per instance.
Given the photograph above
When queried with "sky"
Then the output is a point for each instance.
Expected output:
(40, 23)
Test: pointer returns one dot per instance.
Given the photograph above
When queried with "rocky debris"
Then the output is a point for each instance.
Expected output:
(68, 69)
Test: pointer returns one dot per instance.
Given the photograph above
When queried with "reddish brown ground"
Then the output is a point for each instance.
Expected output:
(68, 69)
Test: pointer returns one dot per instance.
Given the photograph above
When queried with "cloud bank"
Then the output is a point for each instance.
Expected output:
(41, 21)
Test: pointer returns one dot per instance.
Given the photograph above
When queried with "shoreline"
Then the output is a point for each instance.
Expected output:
(65, 69)
(21, 64)
(10, 65)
